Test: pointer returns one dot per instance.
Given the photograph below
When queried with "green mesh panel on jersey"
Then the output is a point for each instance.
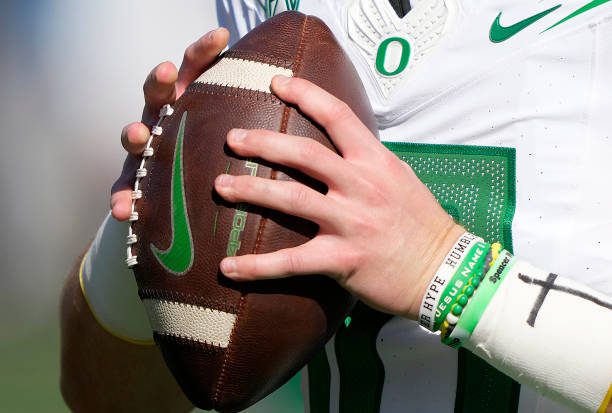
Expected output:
(475, 185)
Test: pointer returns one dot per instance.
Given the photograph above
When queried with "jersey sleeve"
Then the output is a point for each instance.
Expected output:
(239, 16)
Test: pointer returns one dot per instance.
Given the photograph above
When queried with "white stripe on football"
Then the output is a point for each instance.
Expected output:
(189, 321)
(244, 74)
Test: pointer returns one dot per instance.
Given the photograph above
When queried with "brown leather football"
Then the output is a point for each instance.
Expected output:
(230, 344)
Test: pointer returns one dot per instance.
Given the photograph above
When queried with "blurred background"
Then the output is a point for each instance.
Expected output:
(71, 76)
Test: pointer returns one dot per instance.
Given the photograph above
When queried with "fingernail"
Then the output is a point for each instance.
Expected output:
(210, 36)
(228, 267)
(281, 81)
(237, 135)
(224, 180)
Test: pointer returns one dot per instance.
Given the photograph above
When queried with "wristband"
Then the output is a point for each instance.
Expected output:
(479, 302)
(434, 290)
(109, 287)
(466, 275)
(463, 299)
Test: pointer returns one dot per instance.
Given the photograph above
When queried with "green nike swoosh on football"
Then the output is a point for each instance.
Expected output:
(499, 33)
(178, 258)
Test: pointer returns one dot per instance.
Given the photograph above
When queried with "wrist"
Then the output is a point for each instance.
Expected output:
(438, 252)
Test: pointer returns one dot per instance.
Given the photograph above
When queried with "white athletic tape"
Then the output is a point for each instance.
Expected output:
(110, 288)
(549, 333)
(189, 321)
(244, 74)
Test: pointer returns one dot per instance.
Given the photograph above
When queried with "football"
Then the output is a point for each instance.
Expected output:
(230, 344)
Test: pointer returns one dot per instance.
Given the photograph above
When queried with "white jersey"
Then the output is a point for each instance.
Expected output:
(532, 76)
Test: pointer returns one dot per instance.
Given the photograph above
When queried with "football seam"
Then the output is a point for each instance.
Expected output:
(262, 223)
(258, 57)
(190, 299)
(187, 341)
(298, 57)
(228, 350)
(218, 90)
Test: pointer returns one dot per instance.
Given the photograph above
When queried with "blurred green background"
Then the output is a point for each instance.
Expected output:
(71, 76)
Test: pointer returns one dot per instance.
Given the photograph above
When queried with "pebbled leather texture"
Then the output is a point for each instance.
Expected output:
(281, 323)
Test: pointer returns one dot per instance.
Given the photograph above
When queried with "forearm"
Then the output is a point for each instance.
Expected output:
(545, 331)
(550, 333)
(102, 373)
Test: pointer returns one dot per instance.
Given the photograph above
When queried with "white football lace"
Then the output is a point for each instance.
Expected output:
(141, 172)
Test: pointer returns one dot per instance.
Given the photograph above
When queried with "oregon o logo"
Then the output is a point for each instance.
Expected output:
(392, 56)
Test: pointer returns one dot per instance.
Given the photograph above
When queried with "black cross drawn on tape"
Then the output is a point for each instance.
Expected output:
(548, 285)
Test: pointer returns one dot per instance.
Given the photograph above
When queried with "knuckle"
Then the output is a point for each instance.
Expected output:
(350, 258)
(376, 198)
(233, 191)
(390, 161)
(254, 186)
(243, 188)
(191, 52)
(293, 263)
(296, 85)
(268, 136)
(374, 192)
(339, 110)
(363, 224)
(346, 260)
(309, 150)
(298, 197)
(250, 142)
(247, 266)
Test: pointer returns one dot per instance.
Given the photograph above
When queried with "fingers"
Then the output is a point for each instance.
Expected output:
(165, 83)
(304, 154)
(134, 137)
(199, 55)
(349, 135)
(159, 89)
(310, 258)
(288, 197)
(121, 204)
(121, 192)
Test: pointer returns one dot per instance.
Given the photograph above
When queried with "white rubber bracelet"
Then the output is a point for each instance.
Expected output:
(452, 261)
(109, 287)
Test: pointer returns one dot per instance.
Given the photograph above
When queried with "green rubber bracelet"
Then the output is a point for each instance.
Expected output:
(482, 297)
(470, 266)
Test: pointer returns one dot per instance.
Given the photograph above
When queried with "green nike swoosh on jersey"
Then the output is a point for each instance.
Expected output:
(499, 33)
(178, 258)
(585, 8)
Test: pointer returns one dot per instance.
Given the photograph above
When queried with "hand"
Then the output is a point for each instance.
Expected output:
(382, 234)
(164, 85)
